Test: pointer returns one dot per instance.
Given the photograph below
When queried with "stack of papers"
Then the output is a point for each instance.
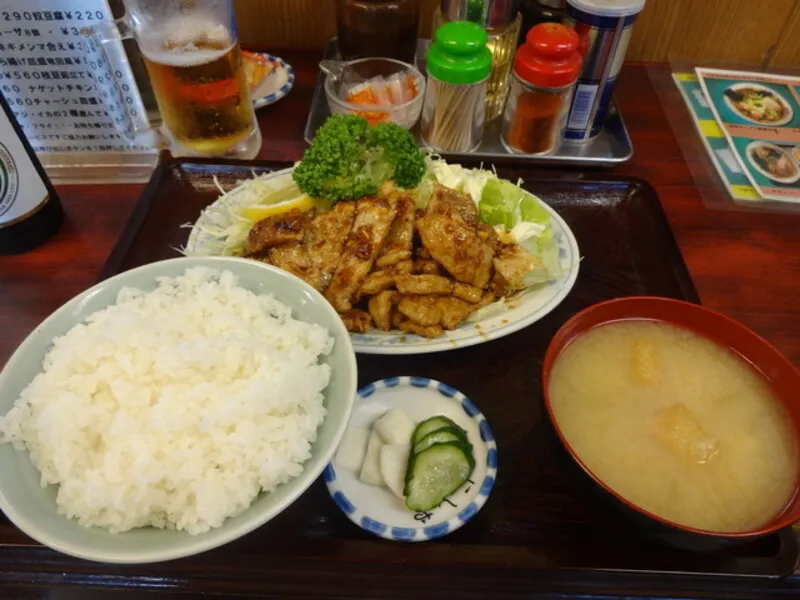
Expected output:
(750, 125)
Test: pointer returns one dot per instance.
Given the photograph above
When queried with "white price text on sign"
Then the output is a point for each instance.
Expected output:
(54, 78)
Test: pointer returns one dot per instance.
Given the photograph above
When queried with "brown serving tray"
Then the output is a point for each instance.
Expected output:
(539, 529)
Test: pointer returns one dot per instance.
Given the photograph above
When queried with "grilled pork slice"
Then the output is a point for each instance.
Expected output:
(512, 265)
(457, 247)
(381, 307)
(374, 216)
(488, 234)
(294, 258)
(422, 310)
(404, 266)
(277, 230)
(429, 331)
(357, 321)
(325, 240)
(453, 311)
(399, 242)
(426, 266)
(376, 282)
(438, 285)
(423, 284)
(466, 292)
(449, 202)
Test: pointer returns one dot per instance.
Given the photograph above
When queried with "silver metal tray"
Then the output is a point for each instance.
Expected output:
(610, 148)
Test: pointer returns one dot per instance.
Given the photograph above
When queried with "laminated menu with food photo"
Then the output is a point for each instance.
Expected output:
(760, 115)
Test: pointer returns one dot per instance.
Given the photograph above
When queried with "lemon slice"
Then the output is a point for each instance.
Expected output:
(259, 212)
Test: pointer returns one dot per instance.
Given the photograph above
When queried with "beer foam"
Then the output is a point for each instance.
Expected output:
(186, 56)
(183, 42)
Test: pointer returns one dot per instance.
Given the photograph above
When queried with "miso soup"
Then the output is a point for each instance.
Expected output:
(676, 424)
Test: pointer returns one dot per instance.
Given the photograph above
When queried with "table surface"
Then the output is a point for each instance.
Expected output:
(745, 264)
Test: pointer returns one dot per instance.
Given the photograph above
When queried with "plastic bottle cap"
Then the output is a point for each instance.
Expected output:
(609, 8)
(459, 53)
(549, 58)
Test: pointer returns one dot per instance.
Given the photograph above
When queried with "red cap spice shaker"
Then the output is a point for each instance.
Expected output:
(545, 71)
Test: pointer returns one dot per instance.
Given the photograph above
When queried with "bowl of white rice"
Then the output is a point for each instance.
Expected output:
(172, 409)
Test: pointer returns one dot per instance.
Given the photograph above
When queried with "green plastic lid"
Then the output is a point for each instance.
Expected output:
(459, 53)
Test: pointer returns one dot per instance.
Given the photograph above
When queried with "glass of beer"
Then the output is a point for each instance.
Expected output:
(195, 69)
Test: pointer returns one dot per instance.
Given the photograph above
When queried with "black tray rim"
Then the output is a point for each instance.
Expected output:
(773, 567)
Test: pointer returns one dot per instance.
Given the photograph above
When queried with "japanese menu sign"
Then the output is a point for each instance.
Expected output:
(60, 84)
(759, 114)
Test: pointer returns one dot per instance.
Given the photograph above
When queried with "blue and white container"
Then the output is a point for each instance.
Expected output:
(605, 28)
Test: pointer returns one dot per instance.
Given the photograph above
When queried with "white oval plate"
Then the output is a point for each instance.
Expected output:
(379, 511)
(751, 147)
(275, 85)
(524, 309)
(757, 86)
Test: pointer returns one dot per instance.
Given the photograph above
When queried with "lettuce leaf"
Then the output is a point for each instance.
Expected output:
(508, 206)
(499, 204)
(505, 204)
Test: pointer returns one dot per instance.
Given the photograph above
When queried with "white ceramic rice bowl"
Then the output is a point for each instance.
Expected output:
(32, 508)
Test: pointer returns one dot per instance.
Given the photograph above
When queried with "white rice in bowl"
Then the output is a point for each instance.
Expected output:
(174, 408)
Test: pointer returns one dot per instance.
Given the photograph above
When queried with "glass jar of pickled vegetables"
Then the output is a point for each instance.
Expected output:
(545, 71)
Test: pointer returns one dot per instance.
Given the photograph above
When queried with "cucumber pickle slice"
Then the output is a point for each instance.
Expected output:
(437, 472)
(430, 425)
(440, 436)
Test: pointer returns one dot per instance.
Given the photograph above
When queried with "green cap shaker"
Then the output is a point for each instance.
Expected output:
(459, 64)
(459, 53)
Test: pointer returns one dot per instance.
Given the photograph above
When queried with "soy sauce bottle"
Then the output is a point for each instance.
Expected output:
(30, 211)
(540, 11)
(377, 28)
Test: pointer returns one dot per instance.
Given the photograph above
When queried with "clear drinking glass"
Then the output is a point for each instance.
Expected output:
(194, 62)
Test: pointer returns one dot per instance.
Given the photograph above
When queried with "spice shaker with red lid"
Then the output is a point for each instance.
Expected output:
(545, 70)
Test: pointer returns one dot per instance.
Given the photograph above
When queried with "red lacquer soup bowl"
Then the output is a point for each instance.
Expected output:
(783, 377)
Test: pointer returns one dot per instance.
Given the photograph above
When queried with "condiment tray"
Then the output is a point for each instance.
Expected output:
(610, 148)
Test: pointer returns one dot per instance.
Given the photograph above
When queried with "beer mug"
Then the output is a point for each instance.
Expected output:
(194, 63)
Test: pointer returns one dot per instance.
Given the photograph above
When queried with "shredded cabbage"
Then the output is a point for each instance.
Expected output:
(491, 310)
(467, 181)
(224, 220)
